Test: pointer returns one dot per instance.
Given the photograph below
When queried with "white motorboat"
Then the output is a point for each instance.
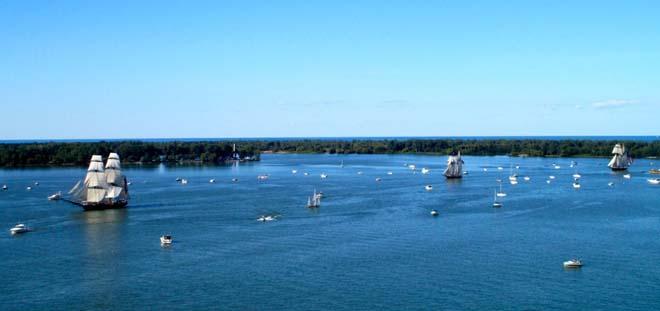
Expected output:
(576, 184)
(627, 176)
(55, 196)
(28, 188)
(166, 240)
(412, 166)
(212, 180)
(178, 179)
(499, 168)
(548, 181)
(551, 177)
(36, 183)
(556, 166)
(5, 188)
(389, 173)
(466, 172)
(294, 172)
(526, 178)
(324, 176)
(610, 184)
(306, 174)
(576, 175)
(428, 187)
(18, 229)
(265, 218)
(378, 179)
(513, 181)
(654, 181)
(434, 213)
(573, 263)
(485, 169)
(184, 181)
(425, 170)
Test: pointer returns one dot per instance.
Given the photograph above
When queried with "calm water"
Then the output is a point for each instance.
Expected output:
(372, 245)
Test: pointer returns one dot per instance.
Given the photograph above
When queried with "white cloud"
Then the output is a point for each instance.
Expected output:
(613, 103)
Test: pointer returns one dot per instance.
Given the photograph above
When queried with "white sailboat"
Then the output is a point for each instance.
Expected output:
(314, 201)
(621, 160)
(496, 203)
(454, 166)
(102, 188)
(576, 183)
(501, 193)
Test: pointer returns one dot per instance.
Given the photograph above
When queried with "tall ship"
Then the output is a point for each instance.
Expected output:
(454, 166)
(102, 188)
(621, 160)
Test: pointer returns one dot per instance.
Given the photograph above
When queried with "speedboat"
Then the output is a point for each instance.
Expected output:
(18, 229)
(501, 194)
(428, 187)
(184, 181)
(573, 263)
(466, 173)
(166, 240)
(434, 213)
(425, 170)
(654, 181)
(557, 166)
(265, 218)
(56, 196)
(627, 176)
(547, 181)
(513, 181)
(212, 180)
(485, 169)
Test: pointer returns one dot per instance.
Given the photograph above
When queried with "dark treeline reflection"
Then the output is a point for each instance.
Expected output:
(216, 152)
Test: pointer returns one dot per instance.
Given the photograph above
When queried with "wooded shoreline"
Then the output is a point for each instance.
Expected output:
(79, 153)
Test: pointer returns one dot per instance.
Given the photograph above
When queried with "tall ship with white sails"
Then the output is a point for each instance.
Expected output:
(621, 160)
(454, 166)
(102, 188)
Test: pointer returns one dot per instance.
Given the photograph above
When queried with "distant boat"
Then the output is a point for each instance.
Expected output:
(56, 196)
(557, 166)
(496, 203)
(627, 176)
(294, 172)
(411, 166)
(573, 263)
(212, 180)
(265, 218)
(465, 172)
(428, 187)
(501, 193)
(18, 229)
(305, 173)
(389, 173)
(378, 179)
(654, 171)
(547, 181)
(621, 160)
(166, 240)
(514, 181)
(234, 179)
(454, 166)
(184, 181)
(434, 213)
(577, 176)
(262, 177)
(36, 183)
(28, 188)
(5, 188)
(526, 178)
(359, 172)
(324, 176)
(314, 201)
(576, 183)
(573, 163)
(610, 184)
(425, 170)
(178, 179)
(654, 181)
(551, 177)
(499, 168)
(485, 169)
(513, 176)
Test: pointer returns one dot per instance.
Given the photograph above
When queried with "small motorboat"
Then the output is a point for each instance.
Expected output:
(557, 166)
(526, 178)
(552, 177)
(166, 240)
(499, 168)
(184, 181)
(262, 177)
(654, 171)
(428, 187)
(306, 174)
(55, 196)
(378, 179)
(265, 218)
(130, 183)
(36, 183)
(234, 179)
(294, 172)
(212, 180)
(434, 213)
(389, 173)
(28, 188)
(576, 175)
(513, 181)
(425, 170)
(412, 166)
(324, 176)
(5, 188)
(496, 204)
(466, 173)
(573, 263)
(576, 184)
(485, 169)
(654, 181)
(18, 229)
(627, 176)
(610, 184)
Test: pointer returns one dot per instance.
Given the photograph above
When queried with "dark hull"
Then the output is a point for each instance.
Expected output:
(619, 168)
(454, 177)
(102, 206)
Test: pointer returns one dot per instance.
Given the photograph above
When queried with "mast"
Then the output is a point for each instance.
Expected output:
(114, 178)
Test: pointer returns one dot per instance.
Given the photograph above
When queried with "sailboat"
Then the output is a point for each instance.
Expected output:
(454, 166)
(576, 183)
(501, 193)
(513, 177)
(314, 201)
(621, 160)
(496, 204)
(101, 188)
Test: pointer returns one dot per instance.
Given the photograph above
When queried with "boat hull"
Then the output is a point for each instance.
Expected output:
(454, 177)
(618, 168)
(103, 206)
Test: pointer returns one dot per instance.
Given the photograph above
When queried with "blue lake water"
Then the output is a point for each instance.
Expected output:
(372, 245)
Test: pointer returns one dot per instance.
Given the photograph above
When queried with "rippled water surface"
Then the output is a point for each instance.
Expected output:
(372, 245)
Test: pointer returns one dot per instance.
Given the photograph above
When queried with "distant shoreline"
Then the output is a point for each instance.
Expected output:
(219, 152)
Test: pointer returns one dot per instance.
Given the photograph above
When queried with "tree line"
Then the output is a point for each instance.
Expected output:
(56, 153)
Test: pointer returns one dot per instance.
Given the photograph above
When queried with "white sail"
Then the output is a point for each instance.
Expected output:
(114, 192)
(113, 170)
(618, 149)
(75, 188)
(95, 195)
(454, 166)
(621, 160)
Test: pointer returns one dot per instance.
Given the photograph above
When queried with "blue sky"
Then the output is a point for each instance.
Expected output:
(113, 69)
